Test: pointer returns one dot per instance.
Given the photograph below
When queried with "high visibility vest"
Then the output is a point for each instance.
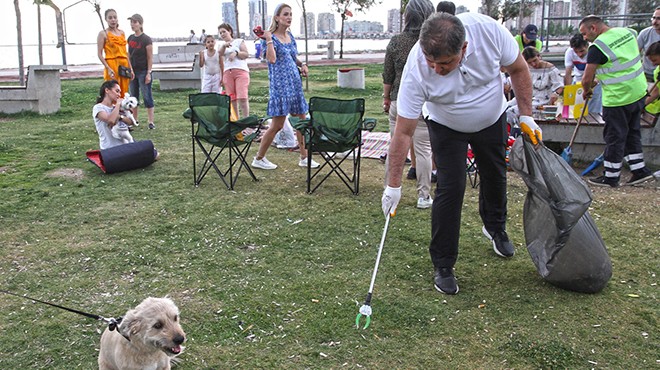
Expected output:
(654, 107)
(622, 76)
(538, 44)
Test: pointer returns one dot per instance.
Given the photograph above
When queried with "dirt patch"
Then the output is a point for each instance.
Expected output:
(4, 169)
(69, 173)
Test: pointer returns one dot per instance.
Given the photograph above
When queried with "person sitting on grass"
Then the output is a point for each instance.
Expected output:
(106, 114)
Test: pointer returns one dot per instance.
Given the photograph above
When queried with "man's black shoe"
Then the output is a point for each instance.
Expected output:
(640, 177)
(604, 181)
(412, 174)
(444, 280)
(501, 244)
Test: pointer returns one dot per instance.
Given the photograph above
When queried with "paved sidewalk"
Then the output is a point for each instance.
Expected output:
(96, 70)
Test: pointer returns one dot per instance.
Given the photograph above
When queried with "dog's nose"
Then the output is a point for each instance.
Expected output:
(179, 339)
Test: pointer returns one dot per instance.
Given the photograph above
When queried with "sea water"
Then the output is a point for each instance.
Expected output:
(86, 53)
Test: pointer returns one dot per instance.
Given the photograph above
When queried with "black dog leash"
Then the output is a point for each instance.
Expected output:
(112, 322)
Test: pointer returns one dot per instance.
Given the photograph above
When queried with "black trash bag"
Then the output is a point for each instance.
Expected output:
(562, 238)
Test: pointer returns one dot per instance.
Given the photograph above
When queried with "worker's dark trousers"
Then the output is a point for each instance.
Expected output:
(623, 138)
(450, 153)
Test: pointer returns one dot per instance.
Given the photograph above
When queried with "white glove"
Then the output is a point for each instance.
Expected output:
(529, 127)
(391, 197)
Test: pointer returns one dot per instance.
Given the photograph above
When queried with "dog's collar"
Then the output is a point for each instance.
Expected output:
(113, 324)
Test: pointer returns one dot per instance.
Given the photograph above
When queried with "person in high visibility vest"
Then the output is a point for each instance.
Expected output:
(528, 37)
(652, 102)
(615, 60)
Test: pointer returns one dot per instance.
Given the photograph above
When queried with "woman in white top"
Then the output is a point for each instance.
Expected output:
(547, 83)
(106, 113)
(209, 59)
(236, 76)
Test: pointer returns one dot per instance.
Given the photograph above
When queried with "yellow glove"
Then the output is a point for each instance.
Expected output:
(529, 127)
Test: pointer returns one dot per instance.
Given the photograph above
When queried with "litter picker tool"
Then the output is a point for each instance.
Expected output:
(567, 154)
(365, 310)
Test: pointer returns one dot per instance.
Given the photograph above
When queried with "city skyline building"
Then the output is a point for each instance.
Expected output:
(394, 21)
(362, 27)
(229, 15)
(311, 24)
(326, 23)
(258, 14)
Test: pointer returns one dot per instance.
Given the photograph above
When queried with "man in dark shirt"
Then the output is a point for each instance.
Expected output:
(140, 50)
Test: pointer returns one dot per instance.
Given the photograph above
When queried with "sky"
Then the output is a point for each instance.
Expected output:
(162, 18)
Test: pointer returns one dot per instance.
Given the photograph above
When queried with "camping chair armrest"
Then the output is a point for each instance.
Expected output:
(369, 124)
(249, 121)
(300, 124)
(187, 113)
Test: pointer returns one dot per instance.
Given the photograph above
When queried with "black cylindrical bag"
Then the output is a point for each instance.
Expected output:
(561, 236)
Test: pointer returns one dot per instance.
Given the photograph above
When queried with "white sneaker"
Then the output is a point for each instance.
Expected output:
(303, 163)
(263, 164)
(423, 203)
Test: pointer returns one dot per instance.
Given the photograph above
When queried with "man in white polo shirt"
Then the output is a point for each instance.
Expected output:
(453, 74)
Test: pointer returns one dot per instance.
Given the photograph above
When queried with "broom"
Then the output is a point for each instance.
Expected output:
(567, 154)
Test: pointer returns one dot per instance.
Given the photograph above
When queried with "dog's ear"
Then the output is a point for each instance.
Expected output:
(130, 325)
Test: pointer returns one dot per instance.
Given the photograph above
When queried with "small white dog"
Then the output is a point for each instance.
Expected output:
(149, 337)
(120, 130)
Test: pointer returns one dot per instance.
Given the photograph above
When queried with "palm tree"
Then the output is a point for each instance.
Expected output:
(238, 33)
(306, 38)
(59, 23)
(19, 32)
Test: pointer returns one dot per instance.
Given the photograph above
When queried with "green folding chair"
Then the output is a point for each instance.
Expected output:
(334, 131)
(213, 132)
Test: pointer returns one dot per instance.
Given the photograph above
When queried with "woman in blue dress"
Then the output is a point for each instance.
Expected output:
(286, 90)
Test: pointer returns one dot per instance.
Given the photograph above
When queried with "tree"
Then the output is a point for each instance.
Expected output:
(59, 24)
(402, 8)
(510, 10)
(19, 32)
(597, 7)
(238, 33)
(641, 7)
(342, 6)
(552, 29)
(304, 11)
(491, 8)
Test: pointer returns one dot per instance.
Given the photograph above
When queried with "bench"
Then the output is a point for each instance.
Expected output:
(589, 140)
(172, 78)
(41, 94)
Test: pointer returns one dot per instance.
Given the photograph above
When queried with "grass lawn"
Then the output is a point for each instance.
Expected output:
(267, 276)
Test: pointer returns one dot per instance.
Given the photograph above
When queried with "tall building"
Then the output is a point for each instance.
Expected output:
(311, 24)
(258, 11)
(229, 15)
(326, 23)
(394, 21)
(462, 9)
(558, 9)
(362, 27)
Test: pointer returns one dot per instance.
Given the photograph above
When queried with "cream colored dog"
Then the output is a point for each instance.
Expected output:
(149, 337)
